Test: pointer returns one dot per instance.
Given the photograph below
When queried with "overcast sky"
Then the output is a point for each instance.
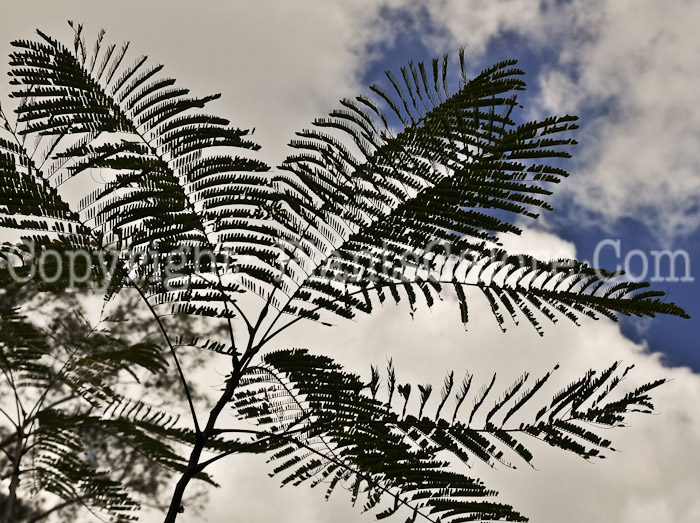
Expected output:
(627, 67)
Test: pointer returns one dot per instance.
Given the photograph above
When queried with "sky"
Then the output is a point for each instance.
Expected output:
(626, 67)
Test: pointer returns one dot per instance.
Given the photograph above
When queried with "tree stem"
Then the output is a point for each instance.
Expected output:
(14, 482)
(55, 508)
(194, 466)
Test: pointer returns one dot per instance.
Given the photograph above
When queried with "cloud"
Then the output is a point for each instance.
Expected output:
(629, 68)
(641, 161)
(277, 64)
(538, 243)
(477, 24)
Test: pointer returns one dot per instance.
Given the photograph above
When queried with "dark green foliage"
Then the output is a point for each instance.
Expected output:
(319, 425)
(154, 152)
(333, 225)
(401, 195)
(73, 424)
(413, 201)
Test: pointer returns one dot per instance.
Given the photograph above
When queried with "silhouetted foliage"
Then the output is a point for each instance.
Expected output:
(398, 195)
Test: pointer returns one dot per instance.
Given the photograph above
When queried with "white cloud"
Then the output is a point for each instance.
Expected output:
(476, 24)
(641, 160)
(539, 244)
(633, 61)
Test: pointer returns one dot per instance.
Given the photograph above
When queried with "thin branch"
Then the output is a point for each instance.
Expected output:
(337, 461)
(226, 299)
(9, 418)
(174, 355)
(55, 508)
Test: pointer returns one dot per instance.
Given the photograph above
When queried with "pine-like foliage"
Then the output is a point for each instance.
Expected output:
(401, 194)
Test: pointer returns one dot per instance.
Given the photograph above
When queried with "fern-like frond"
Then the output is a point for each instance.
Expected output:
(377, 211)
(43, 221)
(63, 383)
(172, 181)
(27, 203)
(321, 426)
(381, 197)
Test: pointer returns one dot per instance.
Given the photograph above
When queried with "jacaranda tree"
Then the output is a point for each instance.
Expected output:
(400, 194)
